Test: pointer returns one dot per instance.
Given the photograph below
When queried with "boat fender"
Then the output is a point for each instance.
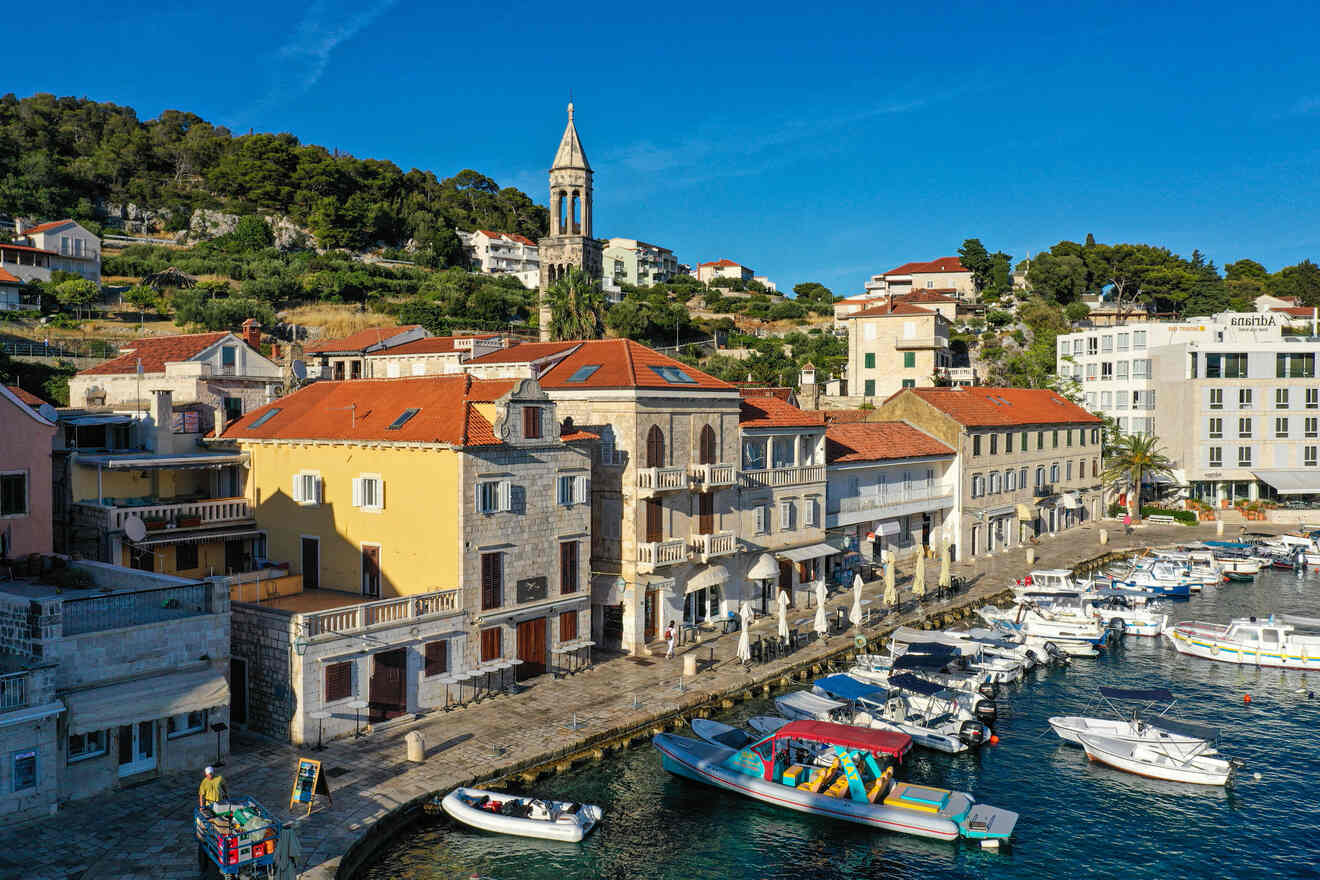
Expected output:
(1214, 650)
(860, 642)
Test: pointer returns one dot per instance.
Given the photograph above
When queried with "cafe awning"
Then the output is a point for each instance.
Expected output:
(811, 551)
(707, 577)
(146, 699)
(1025, 513)
(764, 568)
(197, 536)
(1070, 501)
(1300, 482)
(184, 461)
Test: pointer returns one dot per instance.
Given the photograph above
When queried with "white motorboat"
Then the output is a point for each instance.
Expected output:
(1196, 565)
(721, 734)
(1156, 761)
(995, 668)
(1166, 578)
(1061, 650)
(1297, 548)
(1249, 641)
(522, 816)
(1025, 657)
(924, 711)
(1116, 608)
(1181, 738)
(766, 724)
(1033, 619)
(946, 668)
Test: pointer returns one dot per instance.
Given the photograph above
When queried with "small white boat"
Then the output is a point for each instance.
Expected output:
(1179, 738)
(1155, 761)
(766, 724)
(1249, 641)
(522, 816)
(995, 668)
(924, 711)
(721, 734)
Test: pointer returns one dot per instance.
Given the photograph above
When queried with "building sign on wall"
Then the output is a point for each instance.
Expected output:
(531, 589)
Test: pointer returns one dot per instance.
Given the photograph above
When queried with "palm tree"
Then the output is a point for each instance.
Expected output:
(1132, 458)
(577, 306)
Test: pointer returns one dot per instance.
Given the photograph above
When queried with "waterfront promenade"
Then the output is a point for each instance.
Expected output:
(146, 832)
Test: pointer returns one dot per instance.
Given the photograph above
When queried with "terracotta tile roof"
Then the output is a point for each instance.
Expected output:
(928, 296)
(430, 345)
(23, 247)
(771, 412)
(363, 409)
(26, 396)
(941, 264)
(568, 436)
(524, 353)
(1295, 311)
(6, 278)
(879, 441)
(156, 352)
(521, 239)
(983, 406)
(887, 310)
(623, 363)
(784, 394)
(45, 227)
(842, 416)
(359, 340)
(723, 263)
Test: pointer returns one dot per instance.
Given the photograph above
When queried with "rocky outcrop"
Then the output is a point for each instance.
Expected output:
(207, 223)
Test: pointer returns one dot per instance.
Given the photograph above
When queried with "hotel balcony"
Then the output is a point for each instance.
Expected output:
(712, 476)
(360, 617)
(707, 547)
(897, 501)
(651, 481)
(161, 516)
(774, 478)
(657, 554)
(921, 342)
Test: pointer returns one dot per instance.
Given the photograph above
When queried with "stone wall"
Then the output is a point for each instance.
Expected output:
(261, 638)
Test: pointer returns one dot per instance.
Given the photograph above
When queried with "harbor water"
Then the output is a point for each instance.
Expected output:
(1078, 819)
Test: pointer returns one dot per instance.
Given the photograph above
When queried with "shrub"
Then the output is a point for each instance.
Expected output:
(1186, 517)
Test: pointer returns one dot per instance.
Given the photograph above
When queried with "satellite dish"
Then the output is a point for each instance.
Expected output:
(135, 528)
(48, 412)
(299, 370)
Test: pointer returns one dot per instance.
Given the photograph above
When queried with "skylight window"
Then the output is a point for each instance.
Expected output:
(402, 419)
(582, 374)
(674, 375)
(265, 417)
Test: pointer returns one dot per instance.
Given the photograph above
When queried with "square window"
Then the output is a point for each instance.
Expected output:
(869, 360)
(869, 388)
(86, 745)
(531, 422)
(338, 681)
(909, 360)
(307, 488)
(185, 557)
(185, 724)
(436, 658)
(369, 492)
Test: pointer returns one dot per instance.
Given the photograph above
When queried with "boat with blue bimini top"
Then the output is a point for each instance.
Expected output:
(1135, 722)
(1250, 641)
(856, 783)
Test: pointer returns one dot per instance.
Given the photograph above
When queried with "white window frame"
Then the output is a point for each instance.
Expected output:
(1311, 427)
(761, 519)
(185, 731)
(1309, 456)
(1313, 398)
(304, 480)
(571, 489)
(1281, 427)
(1244, 428)
(501, 494)
(811, 513)
(73, 758)
(27, 494)
(361, 492)
(1215, 429)
(1281, 398)
(787, 514)
(1244, 460)
(1216, 457)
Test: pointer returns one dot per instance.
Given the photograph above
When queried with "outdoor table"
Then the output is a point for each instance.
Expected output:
(319, 718)
(687, 632)
(570, 649)
(504, 666)
(485, 669)
(447, 680)
(588, 644)
(461, 676)
(558, 670)
(357, 706)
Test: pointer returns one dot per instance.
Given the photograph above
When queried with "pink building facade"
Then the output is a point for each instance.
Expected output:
(25, 475)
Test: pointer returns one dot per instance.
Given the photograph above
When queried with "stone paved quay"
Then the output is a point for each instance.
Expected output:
(146, 832)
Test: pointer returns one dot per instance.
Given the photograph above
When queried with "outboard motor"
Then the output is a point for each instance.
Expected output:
(986, 710)
(988, 689)
(1052, 651)
(1117, 627)
(972, 733)
(1033, 659)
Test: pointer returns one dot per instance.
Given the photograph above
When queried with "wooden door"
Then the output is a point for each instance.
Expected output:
(370, 570)
(531, 649)
(651, 616)
(655, 447)
(786, 579)
(655, 521)
(707, 452)
(235, 556)
(311, 563)
(706, 514)
(386, 692)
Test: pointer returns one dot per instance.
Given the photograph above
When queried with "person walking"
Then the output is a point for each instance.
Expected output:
(670, 636)
(212, 789)
(1127, 523)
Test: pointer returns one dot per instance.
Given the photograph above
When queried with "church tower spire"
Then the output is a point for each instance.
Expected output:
(570, 243)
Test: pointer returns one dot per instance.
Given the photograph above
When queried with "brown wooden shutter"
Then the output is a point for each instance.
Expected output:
(655, 447)
(492, 581)
(568, 567)
(532, 422)
(568, 626)
(491, 648)
(338, 681)
(655, 526)
(437, 658)
(708, 452)
(705, 514)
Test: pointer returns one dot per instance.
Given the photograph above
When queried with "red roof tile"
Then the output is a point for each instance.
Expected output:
(771, 412)
(1295, 311)
(45, 227)
(623, 363)
(432, 345)
(26, 396)
(6, 278)
(928, 296)
(522, 239)
(23, 247)
(887, 310)
(941, 264)
(578, 434)
(981, 405)
(524, 353)
(723, 263)
(879, 441)
(363, 409)
(359, 340)
(155, 353)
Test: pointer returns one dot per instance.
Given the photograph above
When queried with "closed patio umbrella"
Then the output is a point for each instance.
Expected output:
(821, 625)
(744, 634)
(783, 614)
(891, 591)
(919, 577)
(946, 580)
(855, 615)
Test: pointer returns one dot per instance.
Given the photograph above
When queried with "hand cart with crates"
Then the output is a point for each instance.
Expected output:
(239, 836)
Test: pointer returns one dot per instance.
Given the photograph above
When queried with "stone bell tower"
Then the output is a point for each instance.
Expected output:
(570, 242)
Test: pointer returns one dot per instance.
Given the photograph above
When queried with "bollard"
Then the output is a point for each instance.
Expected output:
(1031, 556)
(690, 663)
(1219, 527)
(416, 746)
(1104, 536)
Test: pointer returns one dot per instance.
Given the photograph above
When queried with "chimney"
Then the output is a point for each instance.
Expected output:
(219, 419)
(19, 225)
(252, 333)
(162, 417)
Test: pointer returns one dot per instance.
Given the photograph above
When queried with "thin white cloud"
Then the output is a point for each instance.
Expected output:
(1306, 105)
(302, 60)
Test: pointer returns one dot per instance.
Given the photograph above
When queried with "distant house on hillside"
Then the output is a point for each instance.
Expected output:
(944, 274)
(25, 264)
(73, 248)
(345, 357)
(708, 272)
(503, 253)
(11, 293)
(630, 261)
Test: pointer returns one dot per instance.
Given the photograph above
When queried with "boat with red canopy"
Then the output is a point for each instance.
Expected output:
(839, 771)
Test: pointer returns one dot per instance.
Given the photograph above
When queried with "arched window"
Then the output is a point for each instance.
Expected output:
(1054, 472)
(1040, 476)
(994, 483)
(707, 453)
(655, 447)
(1010, 481)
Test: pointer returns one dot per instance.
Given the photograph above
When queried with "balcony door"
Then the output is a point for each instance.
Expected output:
(371, 570)
(655, 447)
(707, 452)
(311, 563)
(137, 748)
(655, 521)
(387, 695)
(705, 513)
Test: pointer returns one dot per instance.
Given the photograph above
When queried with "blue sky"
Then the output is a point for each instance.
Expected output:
(810, 143)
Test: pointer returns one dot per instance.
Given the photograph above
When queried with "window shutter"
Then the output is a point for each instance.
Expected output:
(581, 489)
(298, 488)
(316, 482)
(357, 491)
(380, 494)
(476, 498)
(505, 495)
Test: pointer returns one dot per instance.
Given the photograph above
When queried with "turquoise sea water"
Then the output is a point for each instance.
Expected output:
(1078, 819)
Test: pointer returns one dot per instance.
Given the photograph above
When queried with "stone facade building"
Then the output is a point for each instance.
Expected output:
(894, 345)
(1028, 461)
(348, 357)
(570, 243)
(629, 261)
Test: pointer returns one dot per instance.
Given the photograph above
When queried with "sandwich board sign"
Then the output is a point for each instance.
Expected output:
(307, 784)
